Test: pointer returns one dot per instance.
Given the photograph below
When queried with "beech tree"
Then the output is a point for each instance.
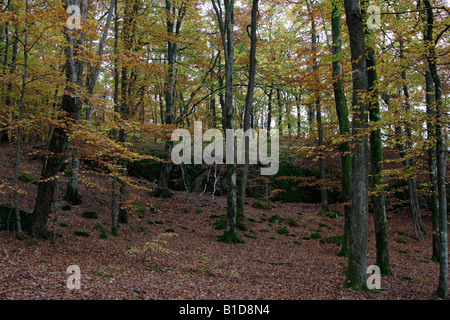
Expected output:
(356, 275)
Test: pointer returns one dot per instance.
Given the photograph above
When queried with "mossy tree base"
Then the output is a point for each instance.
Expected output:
(230, 238)
(442, 293)
(164, 193)
(72, 196)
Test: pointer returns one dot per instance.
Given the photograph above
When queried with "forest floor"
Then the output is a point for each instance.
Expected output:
(173, 252)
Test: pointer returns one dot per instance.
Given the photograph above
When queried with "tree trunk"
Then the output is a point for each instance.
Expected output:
(376, 160)
(442, 289)
(344, 124)
(356, 275)
(226, 31)
(59, 142)
(248, 105)
(431, 135)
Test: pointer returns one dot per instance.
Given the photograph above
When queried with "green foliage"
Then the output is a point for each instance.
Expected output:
(297, 242)
(63, 224)
(275, 219)
(82, 233)
(293, 223)
(200, 210)
(401, 239)
(262, 205)
(90, 215)
(330, 214)
(283, 230)
(139, 209)
(334, 239)
(316, 235)
(169, 230)
(26, 178)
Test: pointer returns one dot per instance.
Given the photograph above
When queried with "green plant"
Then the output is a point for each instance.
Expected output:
(170, 230)
(297, 242)
(401, 239)
(82, 233)
(26, 178)
(316, 235)
(63, 225)
(262, 205)
(293, 223)
(283, 230)
(275, 219)
(334, 239)
(90, 215)
(199, 210)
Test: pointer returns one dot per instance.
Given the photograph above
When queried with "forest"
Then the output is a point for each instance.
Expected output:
(116, 182)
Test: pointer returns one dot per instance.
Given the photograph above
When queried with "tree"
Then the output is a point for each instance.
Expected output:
(226, 32)
(342, 114)
(376, 157)
(249, 103)
(356, 275)
(59, 142)
(442, 289)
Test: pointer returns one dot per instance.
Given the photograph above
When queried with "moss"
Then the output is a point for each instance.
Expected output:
(297, 242)
(139, 209)
(401, 239)
(26, 178)
(275, 219)
(82, 233)
(316, 235)
(283, 230)
(330, 214)
(249, 236)
(334, 239)
(262, 205)
(220, 224)
(63, 225)
(293, 223)
(103, 236)
(90, 215)
(230, 238)
(164, 193)
(199, 210)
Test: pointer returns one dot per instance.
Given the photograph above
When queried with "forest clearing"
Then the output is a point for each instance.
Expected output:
(224, 149)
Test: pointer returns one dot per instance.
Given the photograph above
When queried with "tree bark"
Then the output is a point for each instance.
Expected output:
(59, 142)
(356, 276)
(249, 104)
(376, 159)
(442, 289)
(343, 119)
